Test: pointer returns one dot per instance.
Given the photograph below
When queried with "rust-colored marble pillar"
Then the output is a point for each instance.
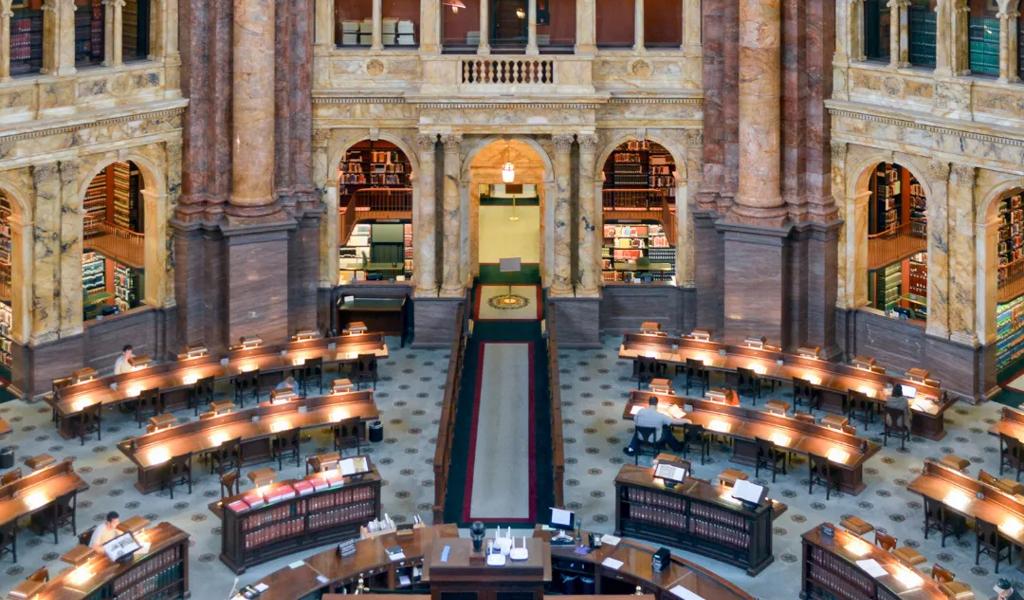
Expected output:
(759, 199)
(252, 172)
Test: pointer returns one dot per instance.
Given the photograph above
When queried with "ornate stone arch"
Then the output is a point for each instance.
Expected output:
(21, 257)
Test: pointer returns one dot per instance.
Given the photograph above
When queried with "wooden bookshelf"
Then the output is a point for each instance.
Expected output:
(694, 516)
(27, 39)
(260, 525)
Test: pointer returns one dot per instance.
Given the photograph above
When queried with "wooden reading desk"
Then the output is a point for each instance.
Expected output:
(385, 315)
(831, 380)
(831, 570)
(180, 375)
(1011, 423)
(161, 571)
(255, 426)
(972, 499)
(38, 491)
(846, 451)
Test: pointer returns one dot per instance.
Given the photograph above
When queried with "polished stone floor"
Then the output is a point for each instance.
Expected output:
(594, 387)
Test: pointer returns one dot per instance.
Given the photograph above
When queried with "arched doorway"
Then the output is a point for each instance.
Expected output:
(639, 207)
(114, 244)
(505, 209)
(375, 213)
(897, 232)
(1009, 308)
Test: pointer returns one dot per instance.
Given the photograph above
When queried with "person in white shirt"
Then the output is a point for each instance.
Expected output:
(659, 422)
(125, 361)
(105, 532)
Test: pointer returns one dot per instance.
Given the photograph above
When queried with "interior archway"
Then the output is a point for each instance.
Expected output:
(13, 283)
(1006, 257)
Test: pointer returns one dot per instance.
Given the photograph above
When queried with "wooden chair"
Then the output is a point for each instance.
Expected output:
(64, 509)
(348, 433)
(749, 382)
(857, 525)
(227, 456)
(955, 590)
(645, 441)
(311, 370)
(201, 394)
(858, 403)
(895, 424)
(284, 442)
(645, 368)
(150, 403)
(697, 375)
(804, 393)
(938, 518)
(365, 370)
(9, 540)
(905, 554)
(991, 543)
(179, 472)
(1011, 455)
(230, 484)
(247, 384)
(696, 435)
(822, 472)
(770, 457)
(11, 476)
(90, 420)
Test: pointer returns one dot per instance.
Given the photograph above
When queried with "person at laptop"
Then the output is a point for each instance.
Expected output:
(898, 401)
(661, 423)
(125, 361)
(105, 531)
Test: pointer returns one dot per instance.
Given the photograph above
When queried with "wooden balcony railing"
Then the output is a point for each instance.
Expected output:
(510, 71)
(634, 199)
(364, 203)
(446, 426)
(1011, 280)
(557, 439)
(123, 245)
(897, 243)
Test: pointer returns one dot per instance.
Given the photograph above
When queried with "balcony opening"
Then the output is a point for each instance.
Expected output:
(90, 44)
(135, 20)
(876, 30)
(353, 23)
(556, 26)
(460, 26)
(983, 38)
(663, 23)
(400, 26)
(27, 39)
(615, 23)
(509, 24)
(922, 29)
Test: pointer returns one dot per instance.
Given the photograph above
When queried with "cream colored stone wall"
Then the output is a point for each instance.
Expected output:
(57, 130)
(961, 136)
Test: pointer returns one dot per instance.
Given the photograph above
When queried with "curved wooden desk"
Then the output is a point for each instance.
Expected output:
(255, 426)
(328, 571)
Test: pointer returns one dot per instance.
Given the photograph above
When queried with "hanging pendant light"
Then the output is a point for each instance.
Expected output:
(520, 13)
(508, 172)
(455, 5)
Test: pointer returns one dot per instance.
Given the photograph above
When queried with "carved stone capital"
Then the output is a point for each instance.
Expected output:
(587, 142)
(563, 143)
(937, 170)
(452, 143)
(426, 142)
(5, 9)
(961, 173)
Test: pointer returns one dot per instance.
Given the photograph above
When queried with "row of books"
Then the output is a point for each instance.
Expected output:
(662, 517)
(840, 572)
(353, 513)
(718, 515)
(342, 497)
(284, 529)
(714, 531)
(833, 585)
(154, 573)
(375, 179)
(655, 499)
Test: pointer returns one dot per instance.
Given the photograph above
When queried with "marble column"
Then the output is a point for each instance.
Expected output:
(59, 37)
(962, 259)
(853, 32)
(899, 33)
(958, 39)
(252, 173)
(759, 199)
(586, 26)
(1009, 53)
(113, 16)
(425, 233)
(589, 258)
(638, 25)
(531, 28)
(691, 27)
(46, 254)
(484, 47)
(71, 233)
(943, 38)
(452, 286)
(5, 39)
(324, 30)
(376, 35)
(937, 209)
(561, 281)
(430, 26)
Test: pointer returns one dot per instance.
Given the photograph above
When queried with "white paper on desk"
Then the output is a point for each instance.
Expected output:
(675, 412)
(685, 594)
(612, 563)
(610, 539)
(872, 568)
(261, 587)
(397, 556)
(323, 579)
(635, 409)
(296, 564)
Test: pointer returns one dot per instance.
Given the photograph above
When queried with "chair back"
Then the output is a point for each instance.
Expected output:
(647, 434)
(247, 380)
(1012, 444)
(765, 447)
(149, 398)
(180, 465)
(204, 388)
(987, 532)
(92, 413)
(11, 476)
(801, 387)
(745, 377)
(942, 574)
(885, 541)
(41, 574)
(366, 365)
(693, 432)
(856, 396)
(695, 367)
(895, 417)
(313, 366)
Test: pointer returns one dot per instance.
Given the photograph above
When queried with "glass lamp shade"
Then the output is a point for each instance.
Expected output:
(454, 4)
(508, 173)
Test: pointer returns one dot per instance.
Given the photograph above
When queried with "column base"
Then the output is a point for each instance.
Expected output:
(756, 283)
(256, 295)
(577, 321)
(434, 321)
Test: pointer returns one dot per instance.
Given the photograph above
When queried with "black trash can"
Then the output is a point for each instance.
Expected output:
(7, 457)
(376, 431)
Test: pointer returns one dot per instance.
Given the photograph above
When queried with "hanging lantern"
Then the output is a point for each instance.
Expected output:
(508, 173)
(455, 5)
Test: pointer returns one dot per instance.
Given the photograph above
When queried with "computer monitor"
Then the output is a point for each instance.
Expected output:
(562, 519)
(120, 547)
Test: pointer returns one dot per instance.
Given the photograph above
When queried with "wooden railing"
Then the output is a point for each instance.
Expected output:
(508, 71)
(446, 426)
(117, 242)
(372, 200)
(634, 199)
(891, 245)
(555, 390)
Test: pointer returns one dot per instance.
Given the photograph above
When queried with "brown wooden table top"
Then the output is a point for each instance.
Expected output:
(5, 427)
(38, 489)
(851, 548)
(844, 450)
(698, 489)
(459, 567)
(960, 493)
(104, 570)
(154, 449)
(1011, 423)
(183, 374)
(724, 357)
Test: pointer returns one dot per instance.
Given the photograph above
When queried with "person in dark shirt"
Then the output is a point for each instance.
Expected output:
(1004, 590)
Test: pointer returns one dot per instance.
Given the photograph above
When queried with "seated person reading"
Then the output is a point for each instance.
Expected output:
(125, 361)
(105, 532)
(659, 422)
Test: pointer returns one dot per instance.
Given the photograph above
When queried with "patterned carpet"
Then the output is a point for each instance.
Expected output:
(594, 387)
